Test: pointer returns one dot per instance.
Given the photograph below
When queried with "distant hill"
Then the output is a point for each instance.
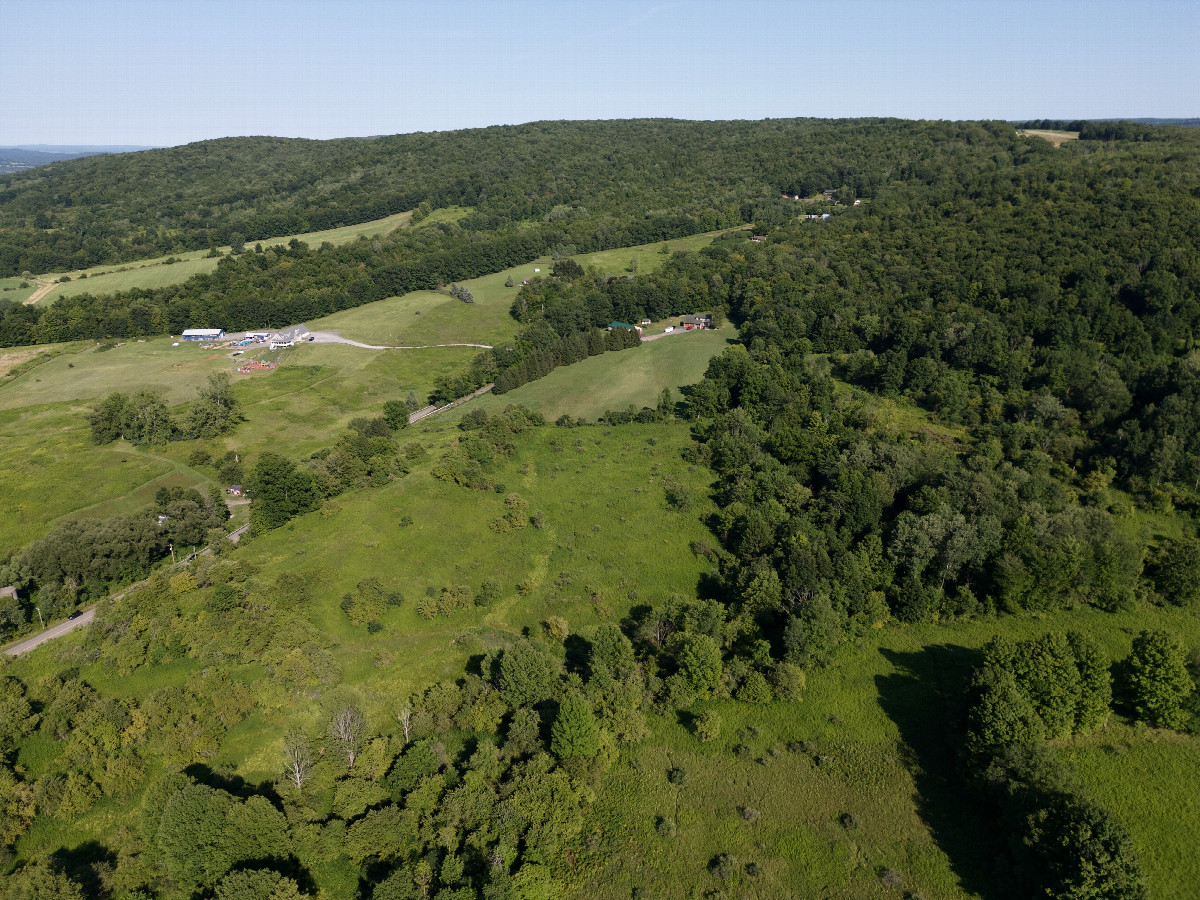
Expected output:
(1187, 123)
(30, 156)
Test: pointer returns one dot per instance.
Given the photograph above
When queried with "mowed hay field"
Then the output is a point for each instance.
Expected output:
(1057, 138)
(616, 379)
(90, 373)
(152, 273)
(10, 289)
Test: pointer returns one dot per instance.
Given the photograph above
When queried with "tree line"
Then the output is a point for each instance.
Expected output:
(594, 181)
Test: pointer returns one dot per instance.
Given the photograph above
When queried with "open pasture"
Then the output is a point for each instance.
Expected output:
(153, 273)
(815, 798)
(49, 468)
(318, 388)
(10, 288)
(873, 739)
(431, 317)
(614, 380)
(92, 373)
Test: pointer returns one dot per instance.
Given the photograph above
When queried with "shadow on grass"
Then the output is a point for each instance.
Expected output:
(84, 864)
(926, 698)
(234, 784)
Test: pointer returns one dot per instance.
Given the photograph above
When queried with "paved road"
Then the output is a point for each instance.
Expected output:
(86, 617)
(646, 338)
(332, 337)
(56, 631)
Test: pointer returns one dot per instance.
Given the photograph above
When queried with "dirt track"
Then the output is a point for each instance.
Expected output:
(332, 337)
(40, 293)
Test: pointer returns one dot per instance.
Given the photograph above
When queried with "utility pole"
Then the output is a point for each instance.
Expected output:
(40, 619)
(172, 546)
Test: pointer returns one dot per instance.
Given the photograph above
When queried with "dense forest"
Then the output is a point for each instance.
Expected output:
(605, 184)
(1032, 311)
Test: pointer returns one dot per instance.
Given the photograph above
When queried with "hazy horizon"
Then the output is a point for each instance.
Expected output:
(132, 72)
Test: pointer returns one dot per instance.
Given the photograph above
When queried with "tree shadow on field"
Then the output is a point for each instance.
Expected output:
(926, 697)
(234, 784)
(85, 864)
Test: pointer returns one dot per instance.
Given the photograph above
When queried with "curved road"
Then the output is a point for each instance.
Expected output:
(85, 618)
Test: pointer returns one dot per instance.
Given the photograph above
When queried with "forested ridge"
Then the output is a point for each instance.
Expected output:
(973, 398)
(601, 182)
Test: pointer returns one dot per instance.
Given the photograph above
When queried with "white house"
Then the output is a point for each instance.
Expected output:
(289, 336)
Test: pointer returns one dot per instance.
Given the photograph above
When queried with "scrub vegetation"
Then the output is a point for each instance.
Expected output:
(886, 586)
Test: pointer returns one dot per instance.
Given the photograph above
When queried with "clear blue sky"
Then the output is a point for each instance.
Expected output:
(162, 72)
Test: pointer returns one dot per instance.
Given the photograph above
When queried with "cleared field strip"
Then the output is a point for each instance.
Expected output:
(153, 273)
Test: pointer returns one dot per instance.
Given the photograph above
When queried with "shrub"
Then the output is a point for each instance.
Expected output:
(708, 726)
(755, 689)
(489, 593)
(665, 827)
(725, 867)
(788, 681)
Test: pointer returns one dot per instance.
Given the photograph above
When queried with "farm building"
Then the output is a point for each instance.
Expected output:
(697, 320)
(203, 334)
(289, 336)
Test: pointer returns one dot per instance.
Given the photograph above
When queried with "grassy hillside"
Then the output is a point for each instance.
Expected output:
(177, 268)
(301, 406)
(749, 653)
(869, 744)
(613, 381)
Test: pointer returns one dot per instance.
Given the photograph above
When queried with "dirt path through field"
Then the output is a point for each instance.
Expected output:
(332, 337)
(40, 293)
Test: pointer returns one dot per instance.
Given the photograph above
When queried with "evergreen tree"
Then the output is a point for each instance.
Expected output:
(528, 674)
(575, 734)
(1158, 679)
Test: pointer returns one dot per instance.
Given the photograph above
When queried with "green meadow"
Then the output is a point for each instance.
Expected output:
(167, 270)
(10, 288)
(818, 796)
(302, 405)
(431, 317)
(612, 381)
